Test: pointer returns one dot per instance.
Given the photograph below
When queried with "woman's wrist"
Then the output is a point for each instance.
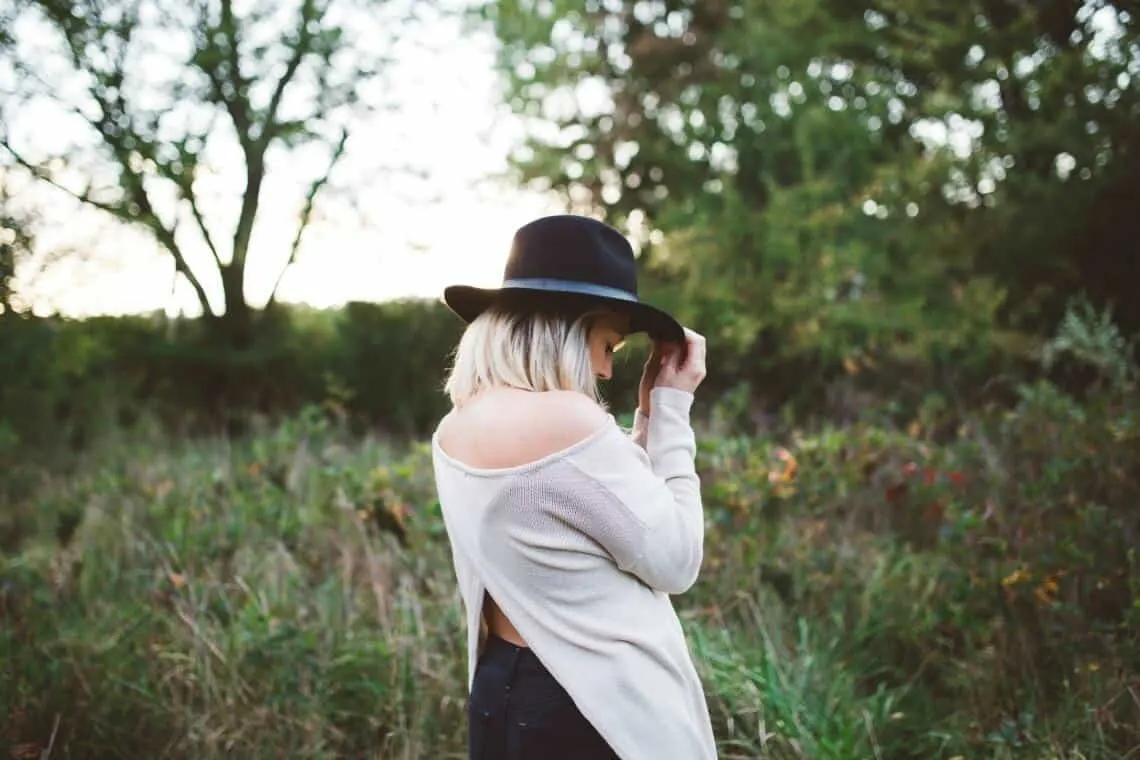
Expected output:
(676, 398)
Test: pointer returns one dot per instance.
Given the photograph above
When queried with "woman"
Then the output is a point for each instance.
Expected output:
(567, 535)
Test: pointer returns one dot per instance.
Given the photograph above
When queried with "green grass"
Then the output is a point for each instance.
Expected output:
(291, 595)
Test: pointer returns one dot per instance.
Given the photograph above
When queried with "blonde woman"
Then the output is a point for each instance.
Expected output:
(568, 535)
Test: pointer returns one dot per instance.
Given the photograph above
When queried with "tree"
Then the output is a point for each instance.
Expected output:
(731, 128)
(1047, 92)
(782, 154)
(166, 87)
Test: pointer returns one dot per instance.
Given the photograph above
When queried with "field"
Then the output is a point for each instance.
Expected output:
(868, 592)
(906, 229)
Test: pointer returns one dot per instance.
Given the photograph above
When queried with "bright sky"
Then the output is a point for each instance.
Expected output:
(415, 237)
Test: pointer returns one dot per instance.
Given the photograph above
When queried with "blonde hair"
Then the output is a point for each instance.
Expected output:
(529, 350)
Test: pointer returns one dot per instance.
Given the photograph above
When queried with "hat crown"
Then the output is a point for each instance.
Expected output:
(572, 249)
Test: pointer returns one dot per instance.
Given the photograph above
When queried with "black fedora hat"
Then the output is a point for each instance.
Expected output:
(574, 261)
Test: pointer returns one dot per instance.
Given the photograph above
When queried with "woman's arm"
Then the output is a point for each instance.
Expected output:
(645, 505)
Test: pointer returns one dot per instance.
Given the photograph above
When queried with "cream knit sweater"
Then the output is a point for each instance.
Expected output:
(581, 550)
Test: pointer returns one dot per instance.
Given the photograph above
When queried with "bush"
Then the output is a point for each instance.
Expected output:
(391, 360)
(67, 382)
(55, 385)
(996, 570)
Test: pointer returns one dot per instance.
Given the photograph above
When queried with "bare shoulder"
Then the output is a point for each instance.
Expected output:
(511, 428)
(578, 415)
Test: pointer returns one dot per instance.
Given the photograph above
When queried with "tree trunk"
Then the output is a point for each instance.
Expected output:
(236, 324)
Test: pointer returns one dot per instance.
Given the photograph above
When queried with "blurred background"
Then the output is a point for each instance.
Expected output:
(909, 230)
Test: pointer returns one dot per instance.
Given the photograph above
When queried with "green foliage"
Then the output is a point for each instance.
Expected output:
(917, 545)
(824, 184)
(788, 699)
(377, 366)
(71, 381)
(867, 592)
(1093, 340)
(394, 357)
(206, 606)
(996, 569)
(51, 379)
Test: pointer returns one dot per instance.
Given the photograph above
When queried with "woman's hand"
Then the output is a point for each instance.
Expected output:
(686, 374)
(661, 370)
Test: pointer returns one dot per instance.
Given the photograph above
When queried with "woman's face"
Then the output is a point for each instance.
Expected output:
(605, 338)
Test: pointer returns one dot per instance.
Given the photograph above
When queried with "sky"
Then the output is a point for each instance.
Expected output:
(406, 238)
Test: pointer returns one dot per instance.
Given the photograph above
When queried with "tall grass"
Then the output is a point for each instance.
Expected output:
(222, 600)
(291, 595)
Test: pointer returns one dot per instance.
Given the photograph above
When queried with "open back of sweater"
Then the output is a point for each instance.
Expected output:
(581, 550)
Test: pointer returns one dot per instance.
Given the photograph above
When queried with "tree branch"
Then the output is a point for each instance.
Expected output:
(147, 218)
(231, 65)
(192, 199)
(220, 64)
(301, 48)
(181, 177)
(116, 127)
(132, 180)
(307, 212)
(255, 150)
(236, 105)
(43, 176)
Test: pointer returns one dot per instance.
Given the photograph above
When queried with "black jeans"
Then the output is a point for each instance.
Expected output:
(517, 711)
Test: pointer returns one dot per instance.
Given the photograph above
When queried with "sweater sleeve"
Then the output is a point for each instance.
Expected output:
(653, 524)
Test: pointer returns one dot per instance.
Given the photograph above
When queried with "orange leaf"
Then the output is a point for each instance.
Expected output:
(1046, 591)
(1017, 576)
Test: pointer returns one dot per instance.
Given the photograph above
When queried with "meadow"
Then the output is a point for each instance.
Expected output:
(870, 590)
(906, 228)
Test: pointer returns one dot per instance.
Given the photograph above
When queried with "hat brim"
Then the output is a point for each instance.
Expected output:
(469, 302)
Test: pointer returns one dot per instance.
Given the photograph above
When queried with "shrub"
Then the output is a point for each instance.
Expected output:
(997, 569)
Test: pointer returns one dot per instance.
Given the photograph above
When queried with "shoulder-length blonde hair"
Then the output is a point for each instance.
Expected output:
(532, 350)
